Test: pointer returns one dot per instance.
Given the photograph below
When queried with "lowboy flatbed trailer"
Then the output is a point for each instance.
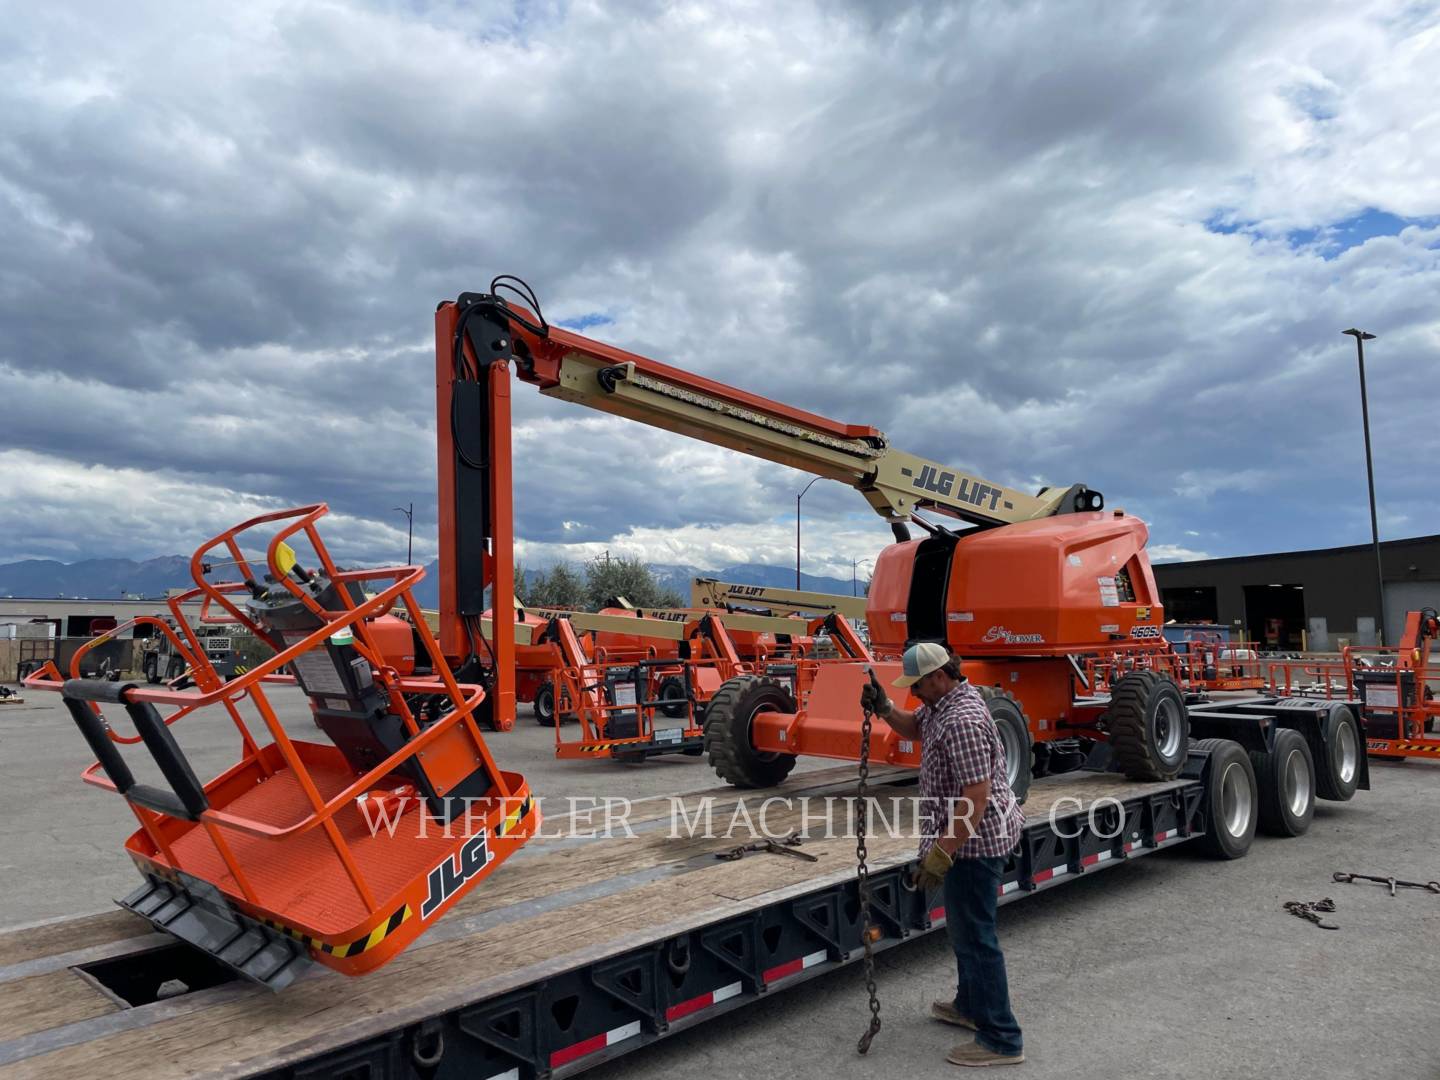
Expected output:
(583, 949)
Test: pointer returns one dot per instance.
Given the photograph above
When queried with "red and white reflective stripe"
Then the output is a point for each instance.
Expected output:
(1098, 857)
(598, 1042)
(1131, 845)
(937, 914)
(1161, 837)
(512, 1074)
(704, 1001)
(794, 967)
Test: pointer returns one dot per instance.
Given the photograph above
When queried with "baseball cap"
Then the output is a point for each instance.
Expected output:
(920, 660)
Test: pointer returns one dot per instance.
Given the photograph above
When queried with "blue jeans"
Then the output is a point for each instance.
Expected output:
(982, 991)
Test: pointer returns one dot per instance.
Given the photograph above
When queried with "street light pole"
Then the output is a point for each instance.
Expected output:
(797, 528)
(1361, 337)
(855, 577)
(409, 512)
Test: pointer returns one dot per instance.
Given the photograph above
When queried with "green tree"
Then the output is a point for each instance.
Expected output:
(559, 587)
(607, 578)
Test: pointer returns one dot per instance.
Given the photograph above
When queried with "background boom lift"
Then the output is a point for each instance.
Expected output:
(706, 592)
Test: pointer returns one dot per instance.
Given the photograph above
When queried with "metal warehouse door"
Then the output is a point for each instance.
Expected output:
(1403, 596)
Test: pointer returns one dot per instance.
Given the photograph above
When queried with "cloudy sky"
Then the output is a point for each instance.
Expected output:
(1112, 244)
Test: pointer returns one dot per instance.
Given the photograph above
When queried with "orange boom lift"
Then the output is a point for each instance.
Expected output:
(277, 860)
(1034, 582)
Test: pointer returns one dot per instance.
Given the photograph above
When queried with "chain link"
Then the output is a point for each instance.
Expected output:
(863, 874)
(1308, 909)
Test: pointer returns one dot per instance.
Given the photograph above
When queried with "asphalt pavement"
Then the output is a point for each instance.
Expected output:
(1168, 966)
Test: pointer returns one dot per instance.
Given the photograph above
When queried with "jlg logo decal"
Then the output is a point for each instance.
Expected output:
(447, 879)
(943, 483)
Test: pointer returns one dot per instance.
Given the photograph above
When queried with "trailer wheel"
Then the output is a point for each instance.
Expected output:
(545, 704)
(727, 732)
(675, 702)
(152, 669)
(1338, 771)
(1286, 779)
(1014, 731)
(1230, 799)
(1149, 726)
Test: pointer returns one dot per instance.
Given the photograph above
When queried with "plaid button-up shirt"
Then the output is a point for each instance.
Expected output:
(959, 746)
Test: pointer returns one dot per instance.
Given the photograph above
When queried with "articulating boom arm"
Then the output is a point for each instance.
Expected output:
(576, 368)
(480, 334)
(711, 593)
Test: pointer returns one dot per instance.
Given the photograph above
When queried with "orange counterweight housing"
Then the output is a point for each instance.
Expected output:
(1060, 585)
(395, 639)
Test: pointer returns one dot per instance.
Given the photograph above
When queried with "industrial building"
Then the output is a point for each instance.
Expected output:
(33, 630)
(1319, 600)
(80, 616)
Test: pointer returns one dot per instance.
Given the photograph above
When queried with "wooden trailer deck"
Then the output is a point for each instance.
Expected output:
(558, 905)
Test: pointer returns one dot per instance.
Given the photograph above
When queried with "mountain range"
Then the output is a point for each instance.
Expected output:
(114, 579)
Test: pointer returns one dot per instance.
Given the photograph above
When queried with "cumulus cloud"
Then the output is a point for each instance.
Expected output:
(1044, 244)
(1163, 553)
(138, 509)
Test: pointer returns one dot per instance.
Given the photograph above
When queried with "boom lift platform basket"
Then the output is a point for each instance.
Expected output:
(340, 853)
(1391, 686)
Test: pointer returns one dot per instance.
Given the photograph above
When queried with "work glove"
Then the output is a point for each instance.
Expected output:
(933, 868)
(872, 697)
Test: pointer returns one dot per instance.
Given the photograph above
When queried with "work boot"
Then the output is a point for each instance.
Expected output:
(945, 1012)
(973, 1054)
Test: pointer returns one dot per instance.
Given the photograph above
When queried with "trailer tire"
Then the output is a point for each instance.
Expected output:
(1149, 726)
(1286, 779)
(152, 669)
(545, 704)
(674, 698)
(727, 732)
(1013, 727)
(1230, 799)
(1338, 772)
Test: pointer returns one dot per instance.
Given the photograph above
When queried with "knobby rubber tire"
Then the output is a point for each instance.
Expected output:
(671, 691)
(1136, 701)
(727, 732)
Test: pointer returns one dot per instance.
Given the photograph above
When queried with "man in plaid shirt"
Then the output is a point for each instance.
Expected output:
(970, 822)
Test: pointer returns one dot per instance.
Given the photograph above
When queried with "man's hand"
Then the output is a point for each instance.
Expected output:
(873, 699)
(933, 867)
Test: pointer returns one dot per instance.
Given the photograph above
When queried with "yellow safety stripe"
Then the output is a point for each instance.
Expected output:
(397, 920)
(513, 818)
